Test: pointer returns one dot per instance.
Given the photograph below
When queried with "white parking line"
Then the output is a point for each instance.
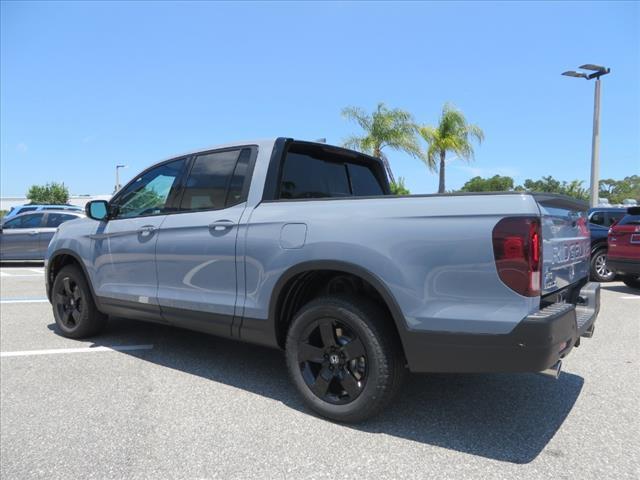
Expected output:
(122, 348)
(637, 297)
(25, 300)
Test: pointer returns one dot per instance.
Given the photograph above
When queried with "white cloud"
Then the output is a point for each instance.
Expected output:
(22, 147)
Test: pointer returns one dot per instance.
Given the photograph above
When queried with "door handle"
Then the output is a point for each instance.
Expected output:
(33, 232)
(147, 230)
(221, 225)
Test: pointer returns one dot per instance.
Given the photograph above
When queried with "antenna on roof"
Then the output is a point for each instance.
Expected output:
(321, 140)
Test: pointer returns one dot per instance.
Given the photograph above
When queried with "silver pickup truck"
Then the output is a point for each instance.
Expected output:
(300, 246)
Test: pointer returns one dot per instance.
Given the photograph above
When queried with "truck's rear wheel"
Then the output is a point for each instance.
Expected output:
(74, 310)
(344, 357)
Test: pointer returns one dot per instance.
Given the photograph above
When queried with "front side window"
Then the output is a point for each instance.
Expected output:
(54, 220)
(148, 194)
(215, 180)
(597, 218)
(26, 221)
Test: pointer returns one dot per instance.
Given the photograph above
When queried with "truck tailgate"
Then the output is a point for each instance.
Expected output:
(565, 241)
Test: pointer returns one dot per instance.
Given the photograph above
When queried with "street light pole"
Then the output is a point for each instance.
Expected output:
(118, 167)
(595, 148)
(598, 71)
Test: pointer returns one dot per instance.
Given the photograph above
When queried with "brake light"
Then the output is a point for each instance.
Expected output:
(518, 255)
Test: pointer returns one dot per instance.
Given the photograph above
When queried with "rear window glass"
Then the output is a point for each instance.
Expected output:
(363, 181)
(305, 176)
(630, 220)
(311, 172)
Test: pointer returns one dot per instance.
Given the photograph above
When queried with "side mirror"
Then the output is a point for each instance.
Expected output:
(97, 210)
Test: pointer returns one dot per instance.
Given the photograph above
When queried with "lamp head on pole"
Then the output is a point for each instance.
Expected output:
(597, 70)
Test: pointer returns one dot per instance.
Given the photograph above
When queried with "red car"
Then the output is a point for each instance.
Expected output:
(624, 248)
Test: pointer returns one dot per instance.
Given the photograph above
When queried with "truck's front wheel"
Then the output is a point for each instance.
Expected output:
(74, 310)
(344, 357)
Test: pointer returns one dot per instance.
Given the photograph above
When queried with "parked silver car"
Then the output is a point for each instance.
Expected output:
(26, 236)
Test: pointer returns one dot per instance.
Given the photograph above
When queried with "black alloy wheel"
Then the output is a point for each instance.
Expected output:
(333, 361)
(69, 303)
(74, 309)
(344, 357)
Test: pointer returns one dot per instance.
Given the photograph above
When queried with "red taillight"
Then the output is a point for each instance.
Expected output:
(517, 250)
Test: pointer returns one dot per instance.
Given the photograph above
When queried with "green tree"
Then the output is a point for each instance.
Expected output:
(618, 190)
(52, 193)
(549, 184)
(384, 128)
(453, 134)
(497, 183)
(399, 188)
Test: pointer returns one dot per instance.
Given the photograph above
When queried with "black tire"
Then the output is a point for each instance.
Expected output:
(349, 352)
(74, 309)
(599, 270)
(631, 281)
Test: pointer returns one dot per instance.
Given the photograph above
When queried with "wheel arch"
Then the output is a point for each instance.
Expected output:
(60, 259)
(602, 244)
(285, 296)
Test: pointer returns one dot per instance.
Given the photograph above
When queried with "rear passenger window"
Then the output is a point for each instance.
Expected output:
(304, 176)
(237, 190)
(216, 180)
(363, 181)
(54, 220)
(614, 217)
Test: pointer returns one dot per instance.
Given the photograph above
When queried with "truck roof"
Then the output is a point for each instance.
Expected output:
(261, 143)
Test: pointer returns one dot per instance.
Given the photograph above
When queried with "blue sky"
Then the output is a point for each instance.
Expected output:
(87, 85)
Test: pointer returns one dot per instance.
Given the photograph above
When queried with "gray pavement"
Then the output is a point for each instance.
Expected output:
(196, 406)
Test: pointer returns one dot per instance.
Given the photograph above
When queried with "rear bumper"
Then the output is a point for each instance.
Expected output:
(538, 342)
(624, 266)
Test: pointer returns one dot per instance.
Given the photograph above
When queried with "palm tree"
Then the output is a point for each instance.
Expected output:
(453, 134)
(383, 128)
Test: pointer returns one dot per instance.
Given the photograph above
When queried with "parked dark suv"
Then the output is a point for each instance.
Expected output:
(600, 219)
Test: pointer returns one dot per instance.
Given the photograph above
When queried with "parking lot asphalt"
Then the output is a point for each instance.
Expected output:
(181, 404)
